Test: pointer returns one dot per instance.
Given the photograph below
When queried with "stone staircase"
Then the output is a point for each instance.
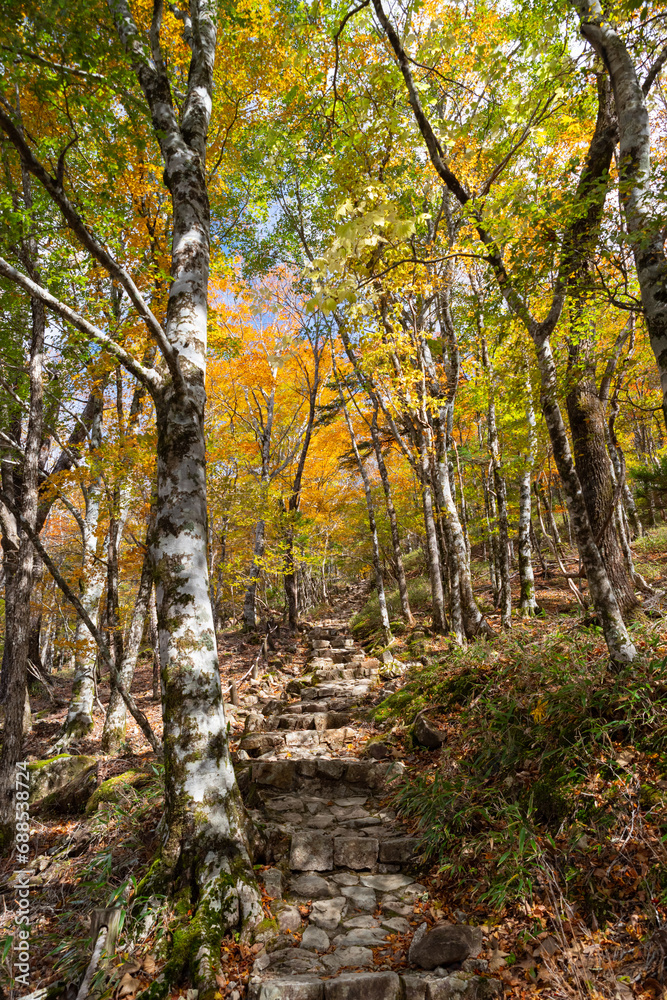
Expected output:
(342, 895)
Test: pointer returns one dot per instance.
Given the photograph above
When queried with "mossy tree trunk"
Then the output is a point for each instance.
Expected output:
(205, 862)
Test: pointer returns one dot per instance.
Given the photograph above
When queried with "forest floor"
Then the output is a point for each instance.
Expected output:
(543, 815)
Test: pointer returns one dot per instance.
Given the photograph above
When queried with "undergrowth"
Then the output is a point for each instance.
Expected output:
(366, 623)
(553, 772)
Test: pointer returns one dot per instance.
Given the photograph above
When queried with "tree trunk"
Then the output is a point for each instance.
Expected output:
(644, 220)
(249, 601)
(16, 694)
(370, 507)
(115, 722)
(621, 648)
(80, 721)
(587, 423)
(527, 602)
(393, 522)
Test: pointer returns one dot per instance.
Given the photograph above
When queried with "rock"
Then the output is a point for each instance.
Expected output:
(364, 921)
(398, 851)
(364, 986)
(315, 939)
(272, 707)
(294, 687)
(326, 913)
(356, 852)
(475, 965)
(356, 957)
(332, 770)
(377, 751)
(62, 784)
(366, 937)
(276, 773)
(273, 882)
(345, 878)
(387, 883)
(254, 723)
(289, 918)
(427, 735)
(311, 852)
(444, 944)
(311, 887)
(360, 897)
(394, 908)
(294, 988)
(399, 925)
(414, 987)
(259, 743)
(115, 789)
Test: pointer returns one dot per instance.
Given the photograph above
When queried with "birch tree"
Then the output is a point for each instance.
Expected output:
(206, 833)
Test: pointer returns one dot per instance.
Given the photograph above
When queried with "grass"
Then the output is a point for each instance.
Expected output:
(366, 623)
(553, 771)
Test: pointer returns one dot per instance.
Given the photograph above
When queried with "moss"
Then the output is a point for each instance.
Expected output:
(265, 925)
(35, 765)
(112, 789)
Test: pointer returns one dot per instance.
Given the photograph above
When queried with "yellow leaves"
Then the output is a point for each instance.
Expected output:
(541, 710)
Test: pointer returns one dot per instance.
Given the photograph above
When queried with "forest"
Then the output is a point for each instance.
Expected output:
(333, 500)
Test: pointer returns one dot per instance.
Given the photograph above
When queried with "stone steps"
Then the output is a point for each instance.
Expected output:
(337, 852)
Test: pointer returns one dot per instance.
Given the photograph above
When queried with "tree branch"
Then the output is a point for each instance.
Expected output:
(134, 709)
(83, 234)
(147, 376)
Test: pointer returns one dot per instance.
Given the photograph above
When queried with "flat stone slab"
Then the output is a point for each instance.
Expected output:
(311, 851)
(360, 897)
(364, 986)
(353, 957)
(294, 988)
(311, 887)
(386, 883)
(356, 852)
(326, 913)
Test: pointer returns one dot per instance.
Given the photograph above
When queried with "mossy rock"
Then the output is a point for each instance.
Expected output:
(113, 790)
(62, 785)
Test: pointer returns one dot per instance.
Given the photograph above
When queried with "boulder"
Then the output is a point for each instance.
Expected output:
(427, 735)
(254, 723)
(288, 917)
(62, 784)
(444, 944)
(114, 790)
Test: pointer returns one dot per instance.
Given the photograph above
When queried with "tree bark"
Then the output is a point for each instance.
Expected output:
(587, 423)
(80, 719)
(115, 722)
(15, 699)
(644, 222)
(527, 601)
(370, 507)
(393, 522)
(505, 595)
